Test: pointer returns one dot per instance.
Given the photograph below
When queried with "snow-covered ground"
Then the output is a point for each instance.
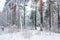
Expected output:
(30, 35)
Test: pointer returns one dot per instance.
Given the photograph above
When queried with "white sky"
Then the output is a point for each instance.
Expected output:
(2, 2)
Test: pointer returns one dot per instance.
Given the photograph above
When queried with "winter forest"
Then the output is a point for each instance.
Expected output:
(29, 19)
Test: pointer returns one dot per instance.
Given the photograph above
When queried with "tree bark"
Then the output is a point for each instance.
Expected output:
(41, 13)
(24, 13)
(35, 16)
(58, 16)
(14, 14)
(49, 14)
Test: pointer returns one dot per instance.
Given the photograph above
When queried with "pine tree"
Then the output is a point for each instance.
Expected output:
(32, 17)
(35, 12)
(41, 14)
(58, 15)
(49, 13)
(14, 14)
(24, 12)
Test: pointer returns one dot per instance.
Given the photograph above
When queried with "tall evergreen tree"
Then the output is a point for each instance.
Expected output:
(41, 15)
(49, 13)
(24, 11)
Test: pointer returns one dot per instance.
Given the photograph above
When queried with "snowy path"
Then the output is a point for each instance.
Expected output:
(30, 35)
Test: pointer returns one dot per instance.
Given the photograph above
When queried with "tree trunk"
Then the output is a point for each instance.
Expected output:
(14, 15)
(49, 14)
(58, 16)
(41, 13)
(35, 16)
(24, 13)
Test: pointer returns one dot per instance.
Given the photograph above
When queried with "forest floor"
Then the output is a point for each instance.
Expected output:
(30, 35)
